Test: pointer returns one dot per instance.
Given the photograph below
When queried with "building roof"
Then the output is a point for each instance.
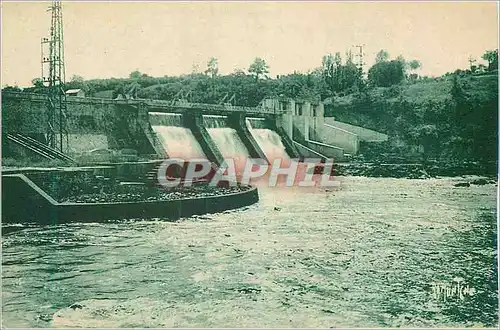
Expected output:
(71, 91)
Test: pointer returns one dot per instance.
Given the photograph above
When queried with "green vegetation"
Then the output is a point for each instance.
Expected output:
(258, 67)
(449, 117)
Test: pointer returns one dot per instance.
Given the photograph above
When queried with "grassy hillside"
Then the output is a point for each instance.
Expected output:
(452, 117)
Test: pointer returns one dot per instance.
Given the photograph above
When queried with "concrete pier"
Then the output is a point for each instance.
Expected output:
(237, 121)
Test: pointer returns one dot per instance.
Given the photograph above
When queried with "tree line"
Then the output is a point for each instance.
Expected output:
(336, 76)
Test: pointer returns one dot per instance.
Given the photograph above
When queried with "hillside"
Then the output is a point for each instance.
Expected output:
(451, 117)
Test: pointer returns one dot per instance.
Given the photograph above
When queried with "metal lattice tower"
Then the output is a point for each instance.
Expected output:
(360, 58)
(53, 76)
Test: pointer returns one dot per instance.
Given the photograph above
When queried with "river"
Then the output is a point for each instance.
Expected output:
(362, 255)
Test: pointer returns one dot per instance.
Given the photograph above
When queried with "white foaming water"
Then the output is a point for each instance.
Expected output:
(165, 119)
(227, 140)
(256, 123)
(271, 143)
(230, 145)
(213, 121)
(178, 141)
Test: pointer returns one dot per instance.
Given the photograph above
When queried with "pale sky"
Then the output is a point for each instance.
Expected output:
(112, 39)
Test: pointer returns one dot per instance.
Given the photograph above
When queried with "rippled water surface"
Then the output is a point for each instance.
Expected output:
(363, 255)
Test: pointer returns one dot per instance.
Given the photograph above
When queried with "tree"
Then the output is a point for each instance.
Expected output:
(482, 68)
(340, 77)
(239, 72)
(258, 67)
(401, 59)
(37, 82)
(425, 135)
(77, 82)
(328, 71)
(382, 56)
(12, 89)
(195, 69)
(212, 67)
(350, 74)
(212, 71)
(77, 79)
(332, 72)
(349, 57)
(337, 72)
(414, 65)
(492, 57)
(135, 75)
(327, 64)
(386, 74)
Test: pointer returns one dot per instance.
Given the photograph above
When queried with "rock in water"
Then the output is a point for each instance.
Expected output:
(75, 306)
(462, 184)
(480, 182)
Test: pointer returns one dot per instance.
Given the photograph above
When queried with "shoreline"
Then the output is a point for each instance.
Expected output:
(414, 170)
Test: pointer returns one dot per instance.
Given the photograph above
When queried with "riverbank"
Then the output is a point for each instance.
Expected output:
(415, 170)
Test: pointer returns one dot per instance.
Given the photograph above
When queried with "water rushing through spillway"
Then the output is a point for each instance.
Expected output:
(213, 121)
(230, 145)
(271, 144)
(227, 140)
(268, 140)
(165, 119)
(178, 141)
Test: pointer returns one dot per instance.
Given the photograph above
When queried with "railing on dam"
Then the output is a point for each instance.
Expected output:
(157, 104)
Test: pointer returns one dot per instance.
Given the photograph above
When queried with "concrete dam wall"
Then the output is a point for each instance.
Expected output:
(159, 129)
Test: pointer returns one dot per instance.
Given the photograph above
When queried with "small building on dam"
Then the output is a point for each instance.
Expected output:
(155, 129)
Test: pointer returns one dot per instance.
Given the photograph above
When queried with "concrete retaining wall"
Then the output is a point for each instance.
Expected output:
(328, 150)
(364, 134)
(337, 137)
(28, 116)
(89, 123)
(28, 203)
(308, 152)
(23, 201)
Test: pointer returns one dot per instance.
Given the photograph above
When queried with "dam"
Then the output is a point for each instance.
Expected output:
(155, 129)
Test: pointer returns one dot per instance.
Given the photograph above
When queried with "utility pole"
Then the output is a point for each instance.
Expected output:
(53, 77)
